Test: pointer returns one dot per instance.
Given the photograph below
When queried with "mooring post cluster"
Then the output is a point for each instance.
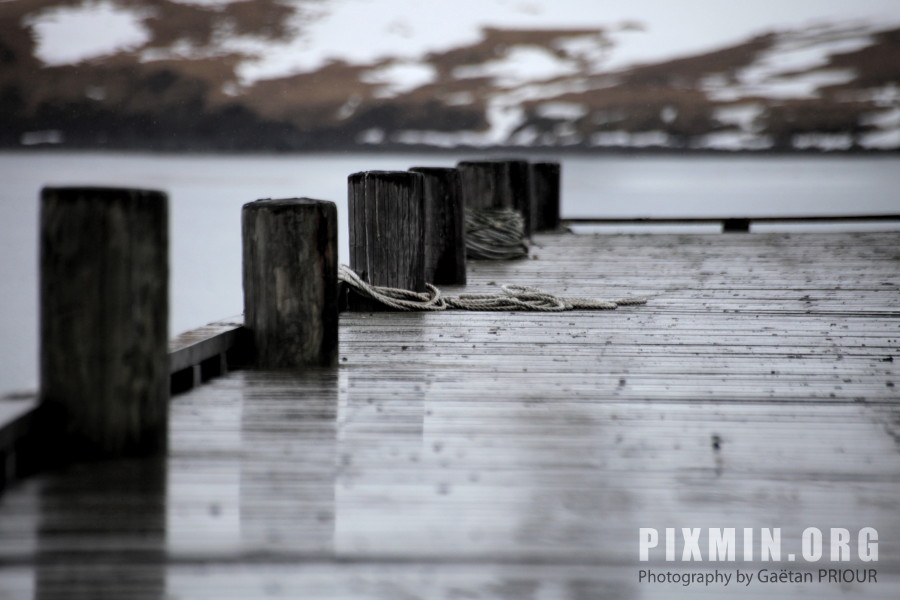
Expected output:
(104, 371)
(407, 228)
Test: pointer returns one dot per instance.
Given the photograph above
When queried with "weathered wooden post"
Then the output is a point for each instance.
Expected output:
(445, 227)
(545, 180)
(104, 321)
(498, 184)
(482, 184)
(387, 231)
(290, 282)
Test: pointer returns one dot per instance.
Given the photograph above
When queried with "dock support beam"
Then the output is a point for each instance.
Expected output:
(445, 227)
(104, 321)
(387, 232)
(545, 179)
(290, 282)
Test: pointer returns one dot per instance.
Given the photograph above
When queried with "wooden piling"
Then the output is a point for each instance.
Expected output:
(445, 228)
(545, 181)
(104, 321)
(498, 184)
(483, 184)
(387, 231)
(290, 282)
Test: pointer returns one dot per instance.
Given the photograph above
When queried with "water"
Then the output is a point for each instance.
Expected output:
(207, 191)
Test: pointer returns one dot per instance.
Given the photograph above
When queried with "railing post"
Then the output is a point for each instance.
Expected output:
(290, 282)
(545, 179)
(104, 321)
(445, 228)
(387, 232)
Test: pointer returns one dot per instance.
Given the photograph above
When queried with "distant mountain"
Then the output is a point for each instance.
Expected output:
(182, 78)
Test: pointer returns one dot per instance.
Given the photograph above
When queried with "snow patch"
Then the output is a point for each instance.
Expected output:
(374, 136)
(801, 85)
(182, 49)
(823, 141)
(888, 95)
(742, 115)
(504, 117)
(793, 53)
(571, 111)
(521, 65)
(792, 68)
(593, 49)
(883, 119)
(540, 91)
(399, 77)
(61, 37)
(349, 107)
(643, 139)
(733, 140)
(668, 114)
(528, 136)
(881, 140)
(354, 32)
(442, 139)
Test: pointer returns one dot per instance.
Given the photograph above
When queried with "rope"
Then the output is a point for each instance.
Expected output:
(511, 297)
(395, 298)
(495, 234)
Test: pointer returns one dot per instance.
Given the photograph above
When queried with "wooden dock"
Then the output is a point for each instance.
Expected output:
(517, 455)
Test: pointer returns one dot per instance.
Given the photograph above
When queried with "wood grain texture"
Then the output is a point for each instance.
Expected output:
(387, 231)
(445, 230)
(290, 281)
(499, 183)
(515, 455)
(104, 319)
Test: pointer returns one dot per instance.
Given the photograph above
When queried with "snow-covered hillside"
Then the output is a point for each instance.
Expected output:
(256, 74)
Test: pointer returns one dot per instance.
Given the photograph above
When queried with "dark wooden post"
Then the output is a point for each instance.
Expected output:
(522, 192)
(736, 226)
(545, 178)
(498, 184)
(445, 227)
(104, 321)
(484, 184)
(387, 231)
(290, 282)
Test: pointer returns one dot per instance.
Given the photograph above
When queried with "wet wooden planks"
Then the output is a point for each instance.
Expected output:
(515, 455)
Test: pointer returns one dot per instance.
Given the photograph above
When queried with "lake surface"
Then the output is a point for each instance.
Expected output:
(206, 193)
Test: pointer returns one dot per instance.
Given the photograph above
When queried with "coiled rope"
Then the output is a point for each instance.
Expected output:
(495, 234)
(511, 298)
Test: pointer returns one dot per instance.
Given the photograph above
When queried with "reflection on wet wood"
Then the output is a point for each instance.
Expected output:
(515, 455)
